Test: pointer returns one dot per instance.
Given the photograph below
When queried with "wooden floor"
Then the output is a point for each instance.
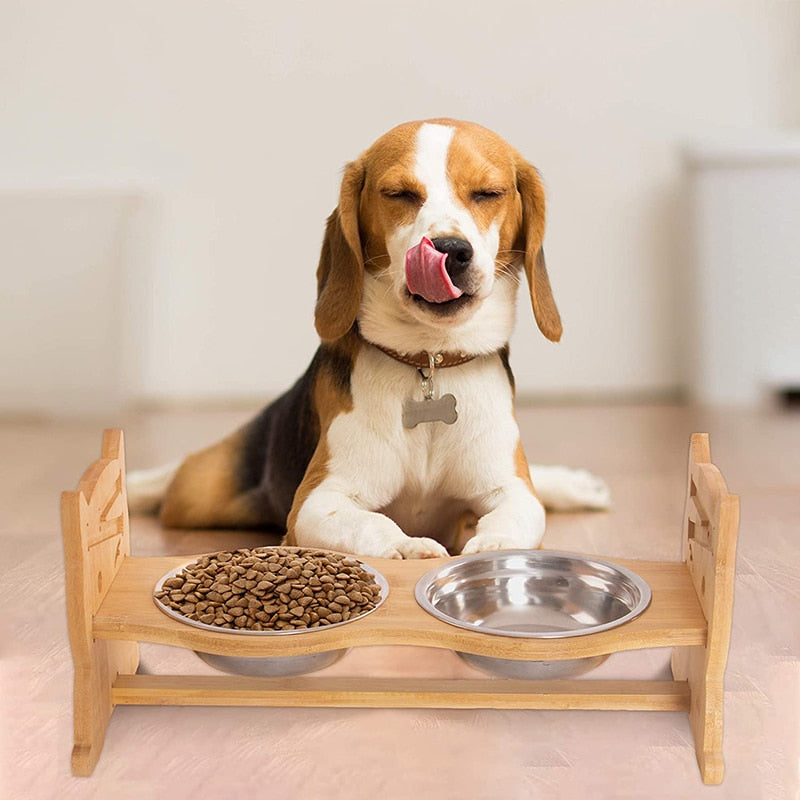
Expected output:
(308, 753)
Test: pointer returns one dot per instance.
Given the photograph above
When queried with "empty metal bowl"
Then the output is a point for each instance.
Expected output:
(532, 594)
(270, 666)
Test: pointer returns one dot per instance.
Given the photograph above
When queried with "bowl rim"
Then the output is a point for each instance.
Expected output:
(424, 583)
(378, 576)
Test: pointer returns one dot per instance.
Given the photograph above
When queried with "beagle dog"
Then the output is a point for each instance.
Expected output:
(404, 420)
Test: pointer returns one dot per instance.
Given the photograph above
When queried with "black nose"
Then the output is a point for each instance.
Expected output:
(459, 254)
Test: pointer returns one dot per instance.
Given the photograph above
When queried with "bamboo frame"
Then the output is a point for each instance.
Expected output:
(110, 609)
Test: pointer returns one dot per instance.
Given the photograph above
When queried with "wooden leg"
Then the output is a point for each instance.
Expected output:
(705, 710)
(93, 705)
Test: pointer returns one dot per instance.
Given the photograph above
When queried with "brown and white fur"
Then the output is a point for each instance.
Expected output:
(330, 461)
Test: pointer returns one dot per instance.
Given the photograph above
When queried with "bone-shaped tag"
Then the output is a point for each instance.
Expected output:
(443, 409)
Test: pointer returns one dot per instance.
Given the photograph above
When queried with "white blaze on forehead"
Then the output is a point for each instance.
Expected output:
(443, 214)
(433, 144)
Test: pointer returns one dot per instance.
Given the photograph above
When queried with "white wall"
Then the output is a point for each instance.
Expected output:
(64, 313)
(230, 121)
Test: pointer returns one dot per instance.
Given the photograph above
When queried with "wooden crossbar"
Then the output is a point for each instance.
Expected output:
(237, 690)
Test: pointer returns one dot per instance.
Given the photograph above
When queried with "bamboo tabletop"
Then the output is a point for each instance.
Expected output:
(674, 618)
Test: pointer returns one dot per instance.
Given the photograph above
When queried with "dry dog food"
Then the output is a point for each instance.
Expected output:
(271, 589)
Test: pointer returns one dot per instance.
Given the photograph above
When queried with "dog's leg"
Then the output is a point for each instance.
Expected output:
(516, 519)
(566, 489)
(207, 492)
(332, 519)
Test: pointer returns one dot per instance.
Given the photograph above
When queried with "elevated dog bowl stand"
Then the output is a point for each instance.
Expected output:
(110, 609)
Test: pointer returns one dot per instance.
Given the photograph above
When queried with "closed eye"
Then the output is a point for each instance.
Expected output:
(406, 195)
(487, 195)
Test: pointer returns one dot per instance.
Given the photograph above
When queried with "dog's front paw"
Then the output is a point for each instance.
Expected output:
(486, 542)
(566, 489)
(417, 547)
(517, 523)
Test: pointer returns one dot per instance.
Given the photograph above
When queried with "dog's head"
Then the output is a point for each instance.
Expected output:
(435, 222)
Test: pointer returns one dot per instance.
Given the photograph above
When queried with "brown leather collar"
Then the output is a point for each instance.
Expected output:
(422, 360)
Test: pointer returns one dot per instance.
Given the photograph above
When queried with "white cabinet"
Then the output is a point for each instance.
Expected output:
(743, 295)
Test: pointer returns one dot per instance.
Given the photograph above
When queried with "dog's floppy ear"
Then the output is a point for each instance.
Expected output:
(531, 190)
(340, 273)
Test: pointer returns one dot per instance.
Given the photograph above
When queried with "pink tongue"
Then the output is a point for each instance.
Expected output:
(426, 275)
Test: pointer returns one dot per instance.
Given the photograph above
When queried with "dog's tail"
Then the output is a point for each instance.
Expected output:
(567, 489)
(147, 487)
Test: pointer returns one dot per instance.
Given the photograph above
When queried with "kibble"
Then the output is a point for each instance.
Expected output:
(271, 589)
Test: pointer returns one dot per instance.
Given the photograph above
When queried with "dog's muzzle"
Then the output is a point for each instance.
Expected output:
(433, 265)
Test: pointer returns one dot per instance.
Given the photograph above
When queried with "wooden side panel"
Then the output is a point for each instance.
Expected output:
(95, 528)
(711, 529)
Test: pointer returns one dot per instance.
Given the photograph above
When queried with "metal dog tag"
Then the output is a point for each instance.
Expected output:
(443, 409)
(430, 408)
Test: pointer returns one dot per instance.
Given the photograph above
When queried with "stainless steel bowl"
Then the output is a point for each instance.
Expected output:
(533, 594)
(270, 666)
(273, 666)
